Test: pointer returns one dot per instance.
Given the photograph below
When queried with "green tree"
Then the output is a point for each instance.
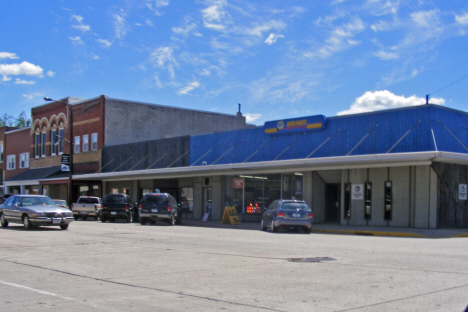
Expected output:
(22, 120)
(7, 120)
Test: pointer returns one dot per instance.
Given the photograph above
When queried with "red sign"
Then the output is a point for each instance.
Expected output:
(238, 182)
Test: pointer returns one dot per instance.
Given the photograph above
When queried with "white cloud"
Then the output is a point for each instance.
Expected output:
(272, 38)
(383, 7)
(5, 78)
(82, 28)
(161, 3)
(33, 96)
(214, 16)
(26, 82)
(426, 18)
(462, 19)
(379, 100)
(190, 27)
(76, 40)
(339, 39)
(120, 25)
(24, 68)
(252, 117)
(104, 43)
(77, 18)
(162, 58)
(7, 55)
(50, 73)
(386, 55)
(189, 87)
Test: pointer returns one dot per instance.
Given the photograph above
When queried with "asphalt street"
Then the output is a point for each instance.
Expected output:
(128, 267)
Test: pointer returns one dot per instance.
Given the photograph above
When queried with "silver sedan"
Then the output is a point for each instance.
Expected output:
(34, 210)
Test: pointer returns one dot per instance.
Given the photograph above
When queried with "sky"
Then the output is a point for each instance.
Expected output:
(279, 59)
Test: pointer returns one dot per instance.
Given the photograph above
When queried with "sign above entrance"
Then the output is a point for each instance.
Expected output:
(284, 126)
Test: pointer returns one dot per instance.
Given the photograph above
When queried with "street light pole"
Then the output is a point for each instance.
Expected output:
(71, 145)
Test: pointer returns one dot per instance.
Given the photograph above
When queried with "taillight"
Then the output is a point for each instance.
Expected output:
(73, 206)
(310, 215)
(280, 214)
(168, 208)
(126, 207)
(139, 207)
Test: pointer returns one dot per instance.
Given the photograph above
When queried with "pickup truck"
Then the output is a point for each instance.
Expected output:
(86, 206)
(118, 206)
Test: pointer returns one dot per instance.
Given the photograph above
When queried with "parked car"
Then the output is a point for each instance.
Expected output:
(61, 202)
(5, 197)
(159, 207)
(86, 206)
(287, 214)
(34, 210)
(117, 206)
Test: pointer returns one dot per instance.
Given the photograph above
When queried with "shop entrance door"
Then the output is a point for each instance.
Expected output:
(207, 200)
(332, 203)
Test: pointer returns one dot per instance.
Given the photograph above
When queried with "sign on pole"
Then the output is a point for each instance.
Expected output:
(65, 162)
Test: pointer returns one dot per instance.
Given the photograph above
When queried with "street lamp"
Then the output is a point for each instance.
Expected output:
(70, 192)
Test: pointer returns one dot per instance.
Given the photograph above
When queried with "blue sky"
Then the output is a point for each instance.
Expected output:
(279, 59)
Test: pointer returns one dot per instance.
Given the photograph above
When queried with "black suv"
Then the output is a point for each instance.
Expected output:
(117, 206)
(159, 207)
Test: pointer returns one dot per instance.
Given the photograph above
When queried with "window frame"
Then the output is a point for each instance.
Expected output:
(94, 141)
(37, 144)
(11, 160)
(26, 160)
(61, 131)
(1, 152)
(53, 137)
(76, 144)
(85, 147)
(43, 143)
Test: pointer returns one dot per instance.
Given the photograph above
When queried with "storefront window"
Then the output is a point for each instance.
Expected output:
(250, 193)
(186, 199)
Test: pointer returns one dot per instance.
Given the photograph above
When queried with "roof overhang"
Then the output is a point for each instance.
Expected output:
(285, 166)
(22, 182)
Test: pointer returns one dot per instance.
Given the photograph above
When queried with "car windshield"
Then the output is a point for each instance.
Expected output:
(155, 199)
(60, 202)
(114, 199)
(89, 200)
(36, 201)
(295, 206)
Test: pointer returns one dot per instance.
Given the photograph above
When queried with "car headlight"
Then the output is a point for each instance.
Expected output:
(38, 214)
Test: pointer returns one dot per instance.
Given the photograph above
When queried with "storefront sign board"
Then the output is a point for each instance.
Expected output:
(230, 216)
(238, 182)
(462, 192)
(357, 191)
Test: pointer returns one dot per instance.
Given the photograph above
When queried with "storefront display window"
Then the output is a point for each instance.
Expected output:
(186, 199)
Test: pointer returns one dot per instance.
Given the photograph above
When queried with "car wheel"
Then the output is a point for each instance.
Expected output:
(130, 218)
(103, 219)
(307, 230)
(273, 227)
(262, 226)
(76, 217)
(152, 222)
(171, 221)
(64, 226)
(142, 221)
(27, 224)
(3, 221)
(112, 220)
(84, 218)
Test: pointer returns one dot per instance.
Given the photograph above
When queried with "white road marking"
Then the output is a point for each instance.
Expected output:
(47, 293)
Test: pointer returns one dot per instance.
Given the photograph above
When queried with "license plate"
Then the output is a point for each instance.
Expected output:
(84, 212)
(154, 210)
(113, 213)
(56, 221)
(296, 215)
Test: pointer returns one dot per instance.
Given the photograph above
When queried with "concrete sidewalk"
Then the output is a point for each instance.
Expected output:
(325, 228)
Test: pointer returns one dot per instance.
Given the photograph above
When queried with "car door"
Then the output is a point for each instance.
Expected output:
(15, 211)
(267, 215)
(8, 209)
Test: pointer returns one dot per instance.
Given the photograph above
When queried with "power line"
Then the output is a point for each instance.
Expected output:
(451, 84)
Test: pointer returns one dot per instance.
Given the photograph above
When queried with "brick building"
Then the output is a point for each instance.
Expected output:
(97, 122)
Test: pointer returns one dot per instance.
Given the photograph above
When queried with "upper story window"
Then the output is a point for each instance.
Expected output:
(85, 143)
(37, 144)
(53, 140)
(24, 160)
(94, 141)
(43, 144)
(76, 144)
(60, 141)
(11, 162)
(1, 153)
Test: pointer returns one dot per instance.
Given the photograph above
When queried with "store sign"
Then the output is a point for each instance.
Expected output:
(462, 192)
(65, 162)
(238, 182)
(317, 122)
(298, 188)
(357, 191)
